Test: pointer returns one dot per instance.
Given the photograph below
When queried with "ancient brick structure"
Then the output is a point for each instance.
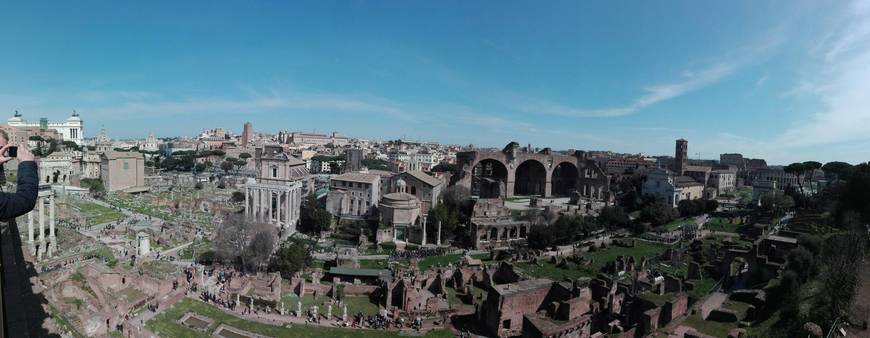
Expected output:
(515, 171)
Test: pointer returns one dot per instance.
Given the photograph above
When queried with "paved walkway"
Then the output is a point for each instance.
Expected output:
(712, 303)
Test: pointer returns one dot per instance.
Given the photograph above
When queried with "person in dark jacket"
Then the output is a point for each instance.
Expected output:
(23, 199)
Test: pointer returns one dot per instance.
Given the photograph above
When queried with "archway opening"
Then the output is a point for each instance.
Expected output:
(564, 180)
(488, 179)
(531, 179)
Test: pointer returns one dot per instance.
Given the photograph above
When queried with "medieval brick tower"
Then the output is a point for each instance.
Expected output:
(680, 156)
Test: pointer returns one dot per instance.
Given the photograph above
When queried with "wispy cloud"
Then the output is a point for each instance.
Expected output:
(841, 84)
(108, 95)
(761, 81)
(691, 80)
(109, 104)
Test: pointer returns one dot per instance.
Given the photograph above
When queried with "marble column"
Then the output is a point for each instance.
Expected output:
(41, 221)
(30, 227)
(438, 240)
(51, 218)
(278, 220)
(424, 232)
(247, 205)
(271, 207)
(262, 201)
(291, 211)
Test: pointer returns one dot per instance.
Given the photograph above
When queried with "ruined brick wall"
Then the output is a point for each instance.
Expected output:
(359, 290)
(514, 306)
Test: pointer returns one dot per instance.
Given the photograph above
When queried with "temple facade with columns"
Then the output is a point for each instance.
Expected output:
(275, 196)
(40, 246)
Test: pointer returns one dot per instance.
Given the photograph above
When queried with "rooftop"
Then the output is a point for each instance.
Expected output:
(357, 177)
(344, 271)
(423, 177)
(522, 286)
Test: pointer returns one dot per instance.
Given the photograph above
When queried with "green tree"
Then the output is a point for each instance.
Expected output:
(444, 167)
(293, 256)
(94, 185)
(447, 215)
(70, 145)
(227, 165)
(838, 170)
(854, 198)
(200, 167)
(658, 213)
(312, 218)
(613, 217)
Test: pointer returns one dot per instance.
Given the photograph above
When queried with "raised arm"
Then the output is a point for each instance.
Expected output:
(23, 199)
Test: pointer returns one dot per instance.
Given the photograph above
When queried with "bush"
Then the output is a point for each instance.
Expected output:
(658, 213)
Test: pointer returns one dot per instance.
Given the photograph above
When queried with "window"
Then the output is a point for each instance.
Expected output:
(506, 324)
(126, 165)
(413, 190)
(274, 171)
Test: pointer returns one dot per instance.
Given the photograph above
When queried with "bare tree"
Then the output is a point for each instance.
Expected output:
(260, 250)
(236, 234)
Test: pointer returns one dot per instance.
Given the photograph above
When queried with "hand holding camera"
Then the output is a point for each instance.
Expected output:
(8, 152)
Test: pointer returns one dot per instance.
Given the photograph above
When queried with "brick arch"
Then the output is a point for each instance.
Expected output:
(531, 177)
(564, 178)
(489, 178)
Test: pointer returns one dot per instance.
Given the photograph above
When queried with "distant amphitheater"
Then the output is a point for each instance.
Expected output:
(515, 171)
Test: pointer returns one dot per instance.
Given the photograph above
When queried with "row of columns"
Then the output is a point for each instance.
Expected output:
(422, 242)
(503, 234)
(52, 238)
(277, 205)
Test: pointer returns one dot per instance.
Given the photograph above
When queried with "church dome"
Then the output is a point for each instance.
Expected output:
(400, 200)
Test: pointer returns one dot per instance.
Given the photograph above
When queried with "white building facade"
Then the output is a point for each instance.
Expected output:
(71, 129)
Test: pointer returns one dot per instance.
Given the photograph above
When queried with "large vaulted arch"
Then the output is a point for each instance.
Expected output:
(564, 179)
(488, 179)
(530, 179)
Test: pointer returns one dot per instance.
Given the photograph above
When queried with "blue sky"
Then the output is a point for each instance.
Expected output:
(782, 80)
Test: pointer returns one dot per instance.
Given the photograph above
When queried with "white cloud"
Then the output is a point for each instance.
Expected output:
(692, 80)
(842, 85)
(106, 105)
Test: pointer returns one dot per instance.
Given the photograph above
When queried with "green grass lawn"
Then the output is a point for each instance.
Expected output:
(373, 264)
(702, 287)
(715, 329)
(164, 325)
(357, 304)
(98, 214)
(722, 224)
(428, 262)
(600, 258)
(453, 295)
(551, 271)
(640, 249)
(676, 224)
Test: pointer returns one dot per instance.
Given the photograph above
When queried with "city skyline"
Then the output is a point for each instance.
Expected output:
(785, 84)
